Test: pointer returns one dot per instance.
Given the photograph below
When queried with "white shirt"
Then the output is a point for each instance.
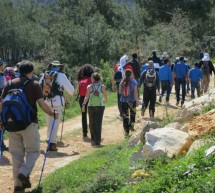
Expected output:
(63, 81)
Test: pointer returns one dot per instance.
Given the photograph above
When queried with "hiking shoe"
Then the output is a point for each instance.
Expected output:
(182, 102)
(84, 135)
(18, 189)
(177, 103)
(160, 99)
(25, 181)
(143, 111)
(53, 147)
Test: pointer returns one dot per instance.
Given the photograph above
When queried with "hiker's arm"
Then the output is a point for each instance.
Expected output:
(46, 108)
(104, 94)
(136, 96)
(120, 88)
(67, 84)
(86, 98)
(113, 83)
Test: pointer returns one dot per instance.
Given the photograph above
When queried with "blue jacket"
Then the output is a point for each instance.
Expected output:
(195, 74)
(181, 70)
(165, 73)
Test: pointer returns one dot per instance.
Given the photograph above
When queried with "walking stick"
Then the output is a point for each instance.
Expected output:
(63, 122)
(1, 142)
(53, 123)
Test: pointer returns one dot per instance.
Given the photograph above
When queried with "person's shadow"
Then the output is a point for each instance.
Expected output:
(56, 154)
(4, 161)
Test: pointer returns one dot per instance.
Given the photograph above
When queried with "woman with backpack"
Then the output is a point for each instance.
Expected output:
(96, 94)
(84, 79)
(129, 100)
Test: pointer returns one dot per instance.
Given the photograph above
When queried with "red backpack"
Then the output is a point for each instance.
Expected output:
(82, 86)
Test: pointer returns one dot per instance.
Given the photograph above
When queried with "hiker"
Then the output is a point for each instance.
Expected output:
(96, 94)
(135, 67)
(150, 80)
(129, 100)
(188, 84)
(84, 79)
(116, 79)
(24, 144)
(9, 73)
(123, 62)
(180, 77)
(207, 68)
(195, 76)
(146, 66)
(165, 77)
(53, 83)
(164, 56)
(156, 60)
(3, 82)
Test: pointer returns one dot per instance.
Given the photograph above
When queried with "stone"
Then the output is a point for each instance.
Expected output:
(174, 125)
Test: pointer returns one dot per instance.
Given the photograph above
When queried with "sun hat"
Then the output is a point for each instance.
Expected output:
(56, 63)
(206, 57)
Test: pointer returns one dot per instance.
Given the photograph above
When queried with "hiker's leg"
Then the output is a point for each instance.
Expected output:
(207, 83)
(168, 91)
(91, 119)
(163, 87)
(31, 139)
(203, 84)
(99, 112)
(177, 88)
(125, 115)
(17, 151)
(83, 116)
(118, 102)
(183, 83)
(152, 101)
(198, 89)
(146, 97)
(132, 114)
(56, 125)
(193, 90)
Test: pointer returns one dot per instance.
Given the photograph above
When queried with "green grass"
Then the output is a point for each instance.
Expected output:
(107, 170)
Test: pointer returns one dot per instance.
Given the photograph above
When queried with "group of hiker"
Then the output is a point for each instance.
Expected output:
(21, 90)
(156, 73)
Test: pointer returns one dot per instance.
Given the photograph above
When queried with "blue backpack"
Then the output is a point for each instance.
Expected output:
(16, 113)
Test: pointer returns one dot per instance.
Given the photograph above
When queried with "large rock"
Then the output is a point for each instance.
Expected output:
(195, 106)
(174, 125)
(196, 145)
(167, 141)
(139, 135)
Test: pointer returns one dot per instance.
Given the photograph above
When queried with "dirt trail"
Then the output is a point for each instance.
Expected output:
(73, 145)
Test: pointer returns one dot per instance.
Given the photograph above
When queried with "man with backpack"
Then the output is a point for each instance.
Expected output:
(207, 68)
(180, 77)
(19, 117)
(135, 67)
(53, 82)
(156, 60)
(150, 80)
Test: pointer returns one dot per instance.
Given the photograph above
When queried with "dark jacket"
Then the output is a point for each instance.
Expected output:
(211, 67)
(136, 68)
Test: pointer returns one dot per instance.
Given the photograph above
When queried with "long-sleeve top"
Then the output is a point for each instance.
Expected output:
(165, 73)
(195, 74)
(181, 70)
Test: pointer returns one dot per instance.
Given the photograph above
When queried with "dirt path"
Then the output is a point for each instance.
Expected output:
(73, 145)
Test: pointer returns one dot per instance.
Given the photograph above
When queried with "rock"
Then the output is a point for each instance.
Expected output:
(184, 128)
(174, 125)
(196, 145)
(136, 156)
(167, 141)
(135, 138)
(209, 152)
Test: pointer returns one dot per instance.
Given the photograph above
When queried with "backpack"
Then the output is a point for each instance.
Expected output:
(96, 96)
(118, 75)
(16, 113)
(150, 79)
(82, 86)
(205, 68)
(49, 85)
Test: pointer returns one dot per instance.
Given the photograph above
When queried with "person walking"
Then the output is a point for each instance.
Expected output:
(207, 68)
(84, 79)
(180, 77)
(116, 79)
(24, 145)
(156, 60)
(53, 83)
(129, 100)
(165, 77)
(195, 76)
(150, 81)
(96, 95)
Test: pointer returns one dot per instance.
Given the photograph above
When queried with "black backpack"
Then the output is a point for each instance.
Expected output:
(150, 79)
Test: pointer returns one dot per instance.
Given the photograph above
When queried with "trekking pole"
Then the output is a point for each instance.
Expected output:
(53, 123)
(63, 122)
(1, 142)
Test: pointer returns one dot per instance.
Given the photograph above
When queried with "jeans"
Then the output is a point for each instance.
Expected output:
(165, 87)
(95, 122)
(149, 95)
(128, 120)
(195, 85)
(178, 83)
(83, 115)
